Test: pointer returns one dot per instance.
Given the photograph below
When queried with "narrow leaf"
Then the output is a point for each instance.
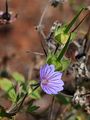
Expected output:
(62, 99)
(64, 49)
(73, 21)
(32, 108)
(18, 77)
(65, 63)
(7, 86)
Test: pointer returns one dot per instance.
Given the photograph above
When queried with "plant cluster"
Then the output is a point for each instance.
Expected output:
(56, 65)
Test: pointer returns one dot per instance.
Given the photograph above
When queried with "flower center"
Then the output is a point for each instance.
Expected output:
(44, 82)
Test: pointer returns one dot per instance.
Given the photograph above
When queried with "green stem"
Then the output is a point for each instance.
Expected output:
(63, 51)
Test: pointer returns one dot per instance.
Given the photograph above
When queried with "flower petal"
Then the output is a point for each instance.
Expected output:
(54, 75)
(45, 89)
(43, 70)
(49, 90)
(51, 82)
(57, 87)
(46, 70)
(56, 81)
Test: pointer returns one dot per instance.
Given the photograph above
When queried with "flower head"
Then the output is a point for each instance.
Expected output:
(50, 80)
(7, 18)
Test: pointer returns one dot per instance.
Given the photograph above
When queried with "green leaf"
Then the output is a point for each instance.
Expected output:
(60, 36)
(18, 97)
(64, 38)
(61, 65)
(34, 94)
(31, 108)
(65, 63)
(18, 77)
(52, 59)
(62, 99)
(64, 49)
(73, 21)
(7, 86)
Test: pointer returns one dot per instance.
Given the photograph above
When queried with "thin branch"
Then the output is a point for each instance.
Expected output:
(57, 46)
(36, 53)
(86, 94)
(66, 95)
(43, 47)
(43, 15)
(15, 109)
(6, 5)
(87, 41)
(40, 27)
(51, 109)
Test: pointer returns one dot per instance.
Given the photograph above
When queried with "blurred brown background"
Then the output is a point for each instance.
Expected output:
(21, 35)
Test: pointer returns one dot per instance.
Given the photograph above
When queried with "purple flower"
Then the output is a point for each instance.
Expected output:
(50, 80)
